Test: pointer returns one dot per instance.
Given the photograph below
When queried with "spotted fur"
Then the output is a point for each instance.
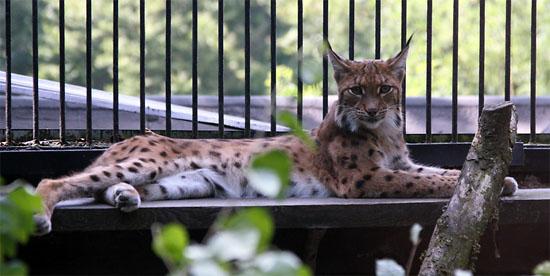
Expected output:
(361, 153)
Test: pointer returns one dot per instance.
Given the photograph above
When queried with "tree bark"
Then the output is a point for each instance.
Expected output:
(454, 243)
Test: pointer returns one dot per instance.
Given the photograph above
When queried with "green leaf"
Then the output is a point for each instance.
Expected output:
(16, 216)
(197, 252)
(304, 271)
(15, 268)
(169, 242)
(255, 218)
(207, 268)
(26, 200)
(415, 233)
(288, 119)
(280, 263)
(8, 245)
(388, 267)
(9, 218)
(265, 181)
(542, 269)
(235, 244)
(25, 204)
(269, 173)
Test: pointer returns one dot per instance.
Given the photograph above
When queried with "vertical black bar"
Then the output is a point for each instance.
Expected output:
(377, 30)
(36, 126)
(115, 70)
(62, 126)
(300, 57)
(7, 10)
(325, 60)
(481, 57)
(273, 18)
(429, 72)
(247, 68)
(507, 50)
(533, 130)
(455, 73)
(220, 69)
(351, 29)
(194, 69)
(168, 68)
(403, 43)
(88, 72)
(142, 66)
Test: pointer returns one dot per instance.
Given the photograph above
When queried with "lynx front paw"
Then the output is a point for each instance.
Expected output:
(510, 186)
(126, 198)
(43, 225)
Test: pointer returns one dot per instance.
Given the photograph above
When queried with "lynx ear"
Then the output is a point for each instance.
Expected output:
(340, 65)
(398, 63)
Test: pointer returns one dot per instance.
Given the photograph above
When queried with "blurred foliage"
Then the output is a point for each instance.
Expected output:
(270, 173)
(169, 242)
(288, 119)
(18, 203)
(239, 245)
(286, 44)
(542, 269)
(389, 267)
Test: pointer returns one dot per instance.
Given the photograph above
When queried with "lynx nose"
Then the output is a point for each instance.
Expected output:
(371, 112)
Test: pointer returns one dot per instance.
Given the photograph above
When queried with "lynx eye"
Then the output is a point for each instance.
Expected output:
(385, 89)
(357, 91)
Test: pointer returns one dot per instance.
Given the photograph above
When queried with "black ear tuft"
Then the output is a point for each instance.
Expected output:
(398, 63)
(409, 40)
(340, 65)
(326, 46)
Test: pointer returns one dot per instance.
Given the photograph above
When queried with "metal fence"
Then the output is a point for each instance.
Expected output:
(273, 62)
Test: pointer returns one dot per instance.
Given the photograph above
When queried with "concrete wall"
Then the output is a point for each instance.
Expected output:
(312, 113)
(416, 111)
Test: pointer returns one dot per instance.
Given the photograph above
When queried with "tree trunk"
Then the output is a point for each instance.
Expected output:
(454, 242)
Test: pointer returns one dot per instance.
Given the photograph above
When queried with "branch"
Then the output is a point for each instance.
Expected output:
(455, 239)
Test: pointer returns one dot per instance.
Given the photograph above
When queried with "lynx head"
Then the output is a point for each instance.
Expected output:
(369, 91)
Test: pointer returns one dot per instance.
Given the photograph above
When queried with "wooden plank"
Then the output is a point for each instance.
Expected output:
(529, 206)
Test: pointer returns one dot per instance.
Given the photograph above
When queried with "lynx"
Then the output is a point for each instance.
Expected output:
(361, 153)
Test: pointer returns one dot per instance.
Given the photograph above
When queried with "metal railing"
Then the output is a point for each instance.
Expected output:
(247, 50)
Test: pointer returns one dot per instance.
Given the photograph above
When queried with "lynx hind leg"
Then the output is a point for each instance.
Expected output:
(52, 191)
(191, 184)
(509, 188)
(421, 169)
(123, 196)
(87, 183)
